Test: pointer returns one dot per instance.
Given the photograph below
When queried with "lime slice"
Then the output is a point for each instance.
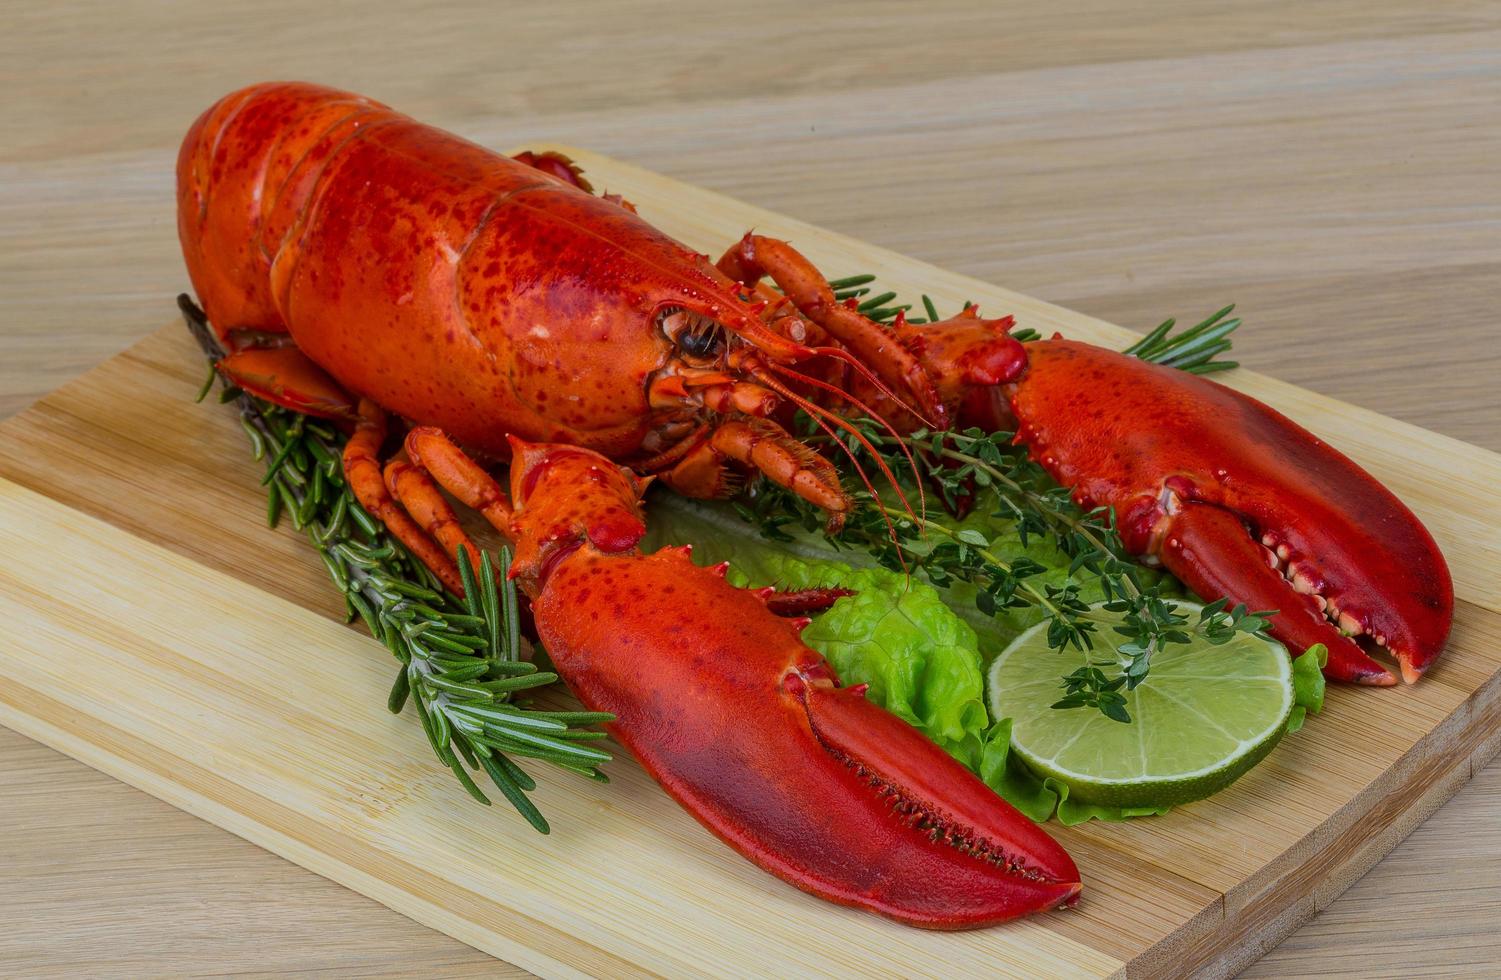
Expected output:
(1204, 715)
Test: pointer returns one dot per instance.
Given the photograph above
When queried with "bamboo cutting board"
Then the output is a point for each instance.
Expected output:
(159, 632)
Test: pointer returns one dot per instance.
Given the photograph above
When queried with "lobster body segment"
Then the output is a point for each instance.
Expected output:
(1236, 499)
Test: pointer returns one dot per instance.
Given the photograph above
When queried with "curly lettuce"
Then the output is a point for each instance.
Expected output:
(921, 661)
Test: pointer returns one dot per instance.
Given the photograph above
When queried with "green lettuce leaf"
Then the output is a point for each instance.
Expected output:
(1308, 685)
(921, 661)
(1009, 776)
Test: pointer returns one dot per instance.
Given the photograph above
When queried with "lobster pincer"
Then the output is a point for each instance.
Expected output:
(1236, 500)
(740, 721)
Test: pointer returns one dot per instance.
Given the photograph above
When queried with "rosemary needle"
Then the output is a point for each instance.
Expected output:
(460, 659)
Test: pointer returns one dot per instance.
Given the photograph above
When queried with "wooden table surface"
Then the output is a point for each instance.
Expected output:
(1330, 166)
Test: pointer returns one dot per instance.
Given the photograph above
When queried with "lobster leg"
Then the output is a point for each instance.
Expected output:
(430, 449)
(451, 467)
(755, 256)
(420, 497)
(363, 471)
(763, 445)
(424, 521)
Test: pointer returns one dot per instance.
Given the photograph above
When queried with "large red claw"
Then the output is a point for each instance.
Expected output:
(744, 726)
(939, 808)
(1236, 499)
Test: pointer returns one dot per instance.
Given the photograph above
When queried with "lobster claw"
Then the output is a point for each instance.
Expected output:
(1237, 500)
(907, 866)
(745, 726)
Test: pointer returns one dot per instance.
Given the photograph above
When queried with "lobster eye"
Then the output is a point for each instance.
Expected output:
(701, 343)
(697, 336)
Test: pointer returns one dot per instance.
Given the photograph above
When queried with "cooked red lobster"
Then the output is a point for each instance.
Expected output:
(358, 264)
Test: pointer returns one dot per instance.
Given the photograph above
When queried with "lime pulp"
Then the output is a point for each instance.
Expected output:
(1204, 715)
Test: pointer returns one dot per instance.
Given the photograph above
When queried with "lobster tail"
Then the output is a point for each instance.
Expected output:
(246, 172)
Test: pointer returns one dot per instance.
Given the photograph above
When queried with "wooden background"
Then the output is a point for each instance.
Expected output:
(1330, 166)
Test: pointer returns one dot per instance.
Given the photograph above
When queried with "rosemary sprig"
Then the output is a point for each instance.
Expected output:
(461, 659)
(955, 463)
(1193, 350)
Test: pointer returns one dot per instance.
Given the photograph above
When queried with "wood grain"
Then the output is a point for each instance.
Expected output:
(1329, 165)
(176, 680)
(137, 853)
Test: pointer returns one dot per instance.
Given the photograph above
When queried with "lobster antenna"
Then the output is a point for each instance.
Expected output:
(873, 415)
(819, 415)
(864, 370)
(860, 471)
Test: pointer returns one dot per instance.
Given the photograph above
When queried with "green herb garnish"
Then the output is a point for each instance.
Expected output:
(955, 463)
(461, 660)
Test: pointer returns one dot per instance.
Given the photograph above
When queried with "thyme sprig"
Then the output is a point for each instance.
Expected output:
(955, 463)
(461, 660)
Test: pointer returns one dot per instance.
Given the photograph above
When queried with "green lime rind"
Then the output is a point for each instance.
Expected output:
(1042, 799)
(1205, 715)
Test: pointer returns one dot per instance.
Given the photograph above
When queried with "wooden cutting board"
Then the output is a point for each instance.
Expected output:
(158, 631)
